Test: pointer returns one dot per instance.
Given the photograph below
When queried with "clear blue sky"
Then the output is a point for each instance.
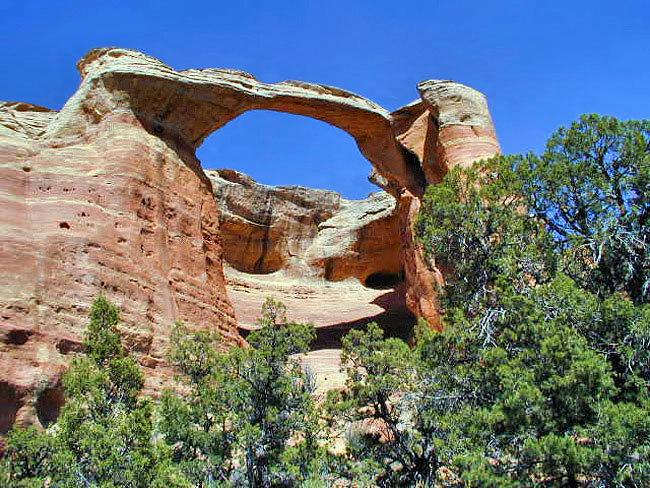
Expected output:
(541, 63)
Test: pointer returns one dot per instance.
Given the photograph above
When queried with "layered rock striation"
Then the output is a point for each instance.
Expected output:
(450, 125)
(117, 212)
(107, 196)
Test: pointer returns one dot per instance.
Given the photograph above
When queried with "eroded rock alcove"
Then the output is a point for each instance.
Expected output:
(334, 262)
(107, 196)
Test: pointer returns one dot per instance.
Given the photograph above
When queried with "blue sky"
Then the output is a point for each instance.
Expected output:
(541, 63)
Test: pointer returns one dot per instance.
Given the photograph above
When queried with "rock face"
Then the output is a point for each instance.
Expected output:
(333, 262)
(107, 196)
(117, 211)
(334, 307)
(450, 126)
(306, 232)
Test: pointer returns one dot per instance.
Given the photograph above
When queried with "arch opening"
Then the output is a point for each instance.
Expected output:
(282, 149)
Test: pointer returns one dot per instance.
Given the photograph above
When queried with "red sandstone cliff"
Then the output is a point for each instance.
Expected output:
(107, 196)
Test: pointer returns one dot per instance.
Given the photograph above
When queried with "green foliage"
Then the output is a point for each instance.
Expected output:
(537, 385)
(249, 419)
(542, 378)
(389, 440)
(376, 367)
(475, 226)
(591, 188)
(102, 339)
(525, 404)
(104, 431)
(27, 452)
(104, 435)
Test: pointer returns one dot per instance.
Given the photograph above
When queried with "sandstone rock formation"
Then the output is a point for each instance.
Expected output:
(334, 262)
(107, 196)
(117, 211)
(306, 232)
(450, 125)
(334, 307)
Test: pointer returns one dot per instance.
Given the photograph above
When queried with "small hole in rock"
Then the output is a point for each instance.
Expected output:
(66, 346)
(64, 225)
(49, 405)
(26, 169)
(383, 281)
(18, 337)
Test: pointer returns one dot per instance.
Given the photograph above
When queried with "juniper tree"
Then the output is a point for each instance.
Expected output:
(248, 417)
(104, 435)
(535, 367)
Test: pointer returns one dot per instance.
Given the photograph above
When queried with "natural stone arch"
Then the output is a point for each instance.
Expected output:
(187, 106)
(183, 108)
(107, 196)
(410, 148)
